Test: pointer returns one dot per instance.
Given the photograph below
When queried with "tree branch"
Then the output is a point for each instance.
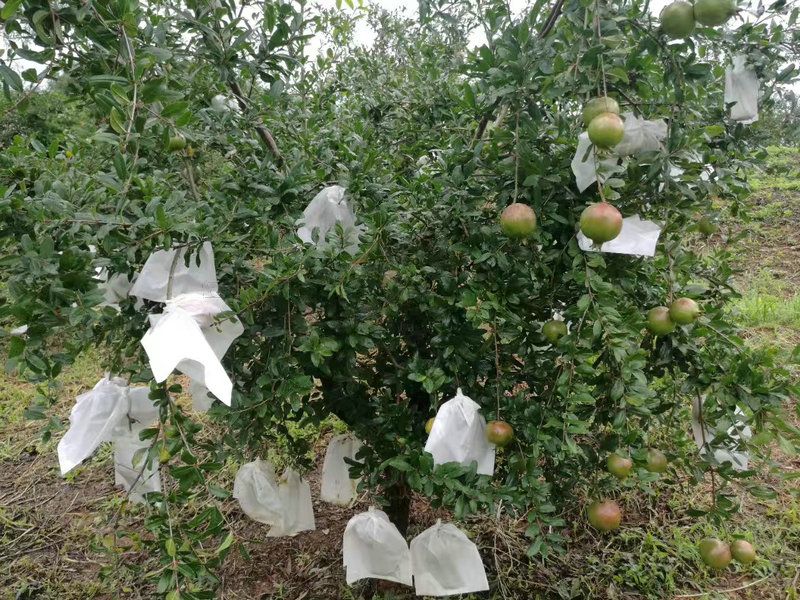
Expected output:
(262, 131)
(549, 24)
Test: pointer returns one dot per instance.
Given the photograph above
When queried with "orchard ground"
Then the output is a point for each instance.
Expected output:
(57, 536)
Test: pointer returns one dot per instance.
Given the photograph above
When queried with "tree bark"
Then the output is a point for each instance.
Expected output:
(399, 509)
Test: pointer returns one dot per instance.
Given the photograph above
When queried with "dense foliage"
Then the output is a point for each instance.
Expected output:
(432, 140)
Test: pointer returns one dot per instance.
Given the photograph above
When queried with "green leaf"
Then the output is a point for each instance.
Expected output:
(10, 78)
(117, 121)
(226, 543)
(10, 9)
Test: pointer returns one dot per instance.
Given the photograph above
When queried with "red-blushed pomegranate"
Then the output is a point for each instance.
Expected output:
(715, 553)
(601, 222)
(619, 466)
(743, 551)
(605, 515)
(606, 130)
(598, 106)
(499, 433)
(656, 461)
(684, 311)
(518, 220)
(659, 321)
(554, 330)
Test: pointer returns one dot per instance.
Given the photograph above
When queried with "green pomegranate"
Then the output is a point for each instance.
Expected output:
(499, 433)
(176, 142)
(518, 220)
(684, 311)
(619, 466)
(597, 106)
(606, 130)
(658, 321)
(706, 226)
(601, 222)
(743, 551)
(677, 19)
(553, 330)
(713, 12)
(605, 515)
(656, 461)
(429, 425)
(715, 553)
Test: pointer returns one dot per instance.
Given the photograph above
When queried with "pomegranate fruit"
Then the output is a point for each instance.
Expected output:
(604, 515)
(659, 321)
(518, 220)
(619, 466)
(677, 19)
(606, 130)
(656, 461)
(553, 330)
(597, 106)
(715, 553)
(601, 222)
(684, 311)
(499, 433)
(743, 551)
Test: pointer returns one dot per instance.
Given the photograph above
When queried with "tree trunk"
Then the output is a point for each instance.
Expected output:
(399, 496)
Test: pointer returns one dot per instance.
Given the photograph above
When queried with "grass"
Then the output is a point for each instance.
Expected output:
(55, 534)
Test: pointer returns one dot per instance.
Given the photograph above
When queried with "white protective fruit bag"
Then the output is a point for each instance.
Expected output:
(322, 214)
(92, 421)
(284, 504)
(130, 469)
(188, 335)
(637, 237)
(153, 283)
(641, 135)
(445, 562)
(372, 547)
(742, 87)
(704, 437)
(459, 435)
(586, 170)
(337, 487)
(297, 512)
(256, 489)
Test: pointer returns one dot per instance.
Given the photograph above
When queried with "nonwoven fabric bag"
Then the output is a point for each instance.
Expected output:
(586, 170)
(372, 547)
(459, 435)
(445, 562)
(325, 210)
(256, 489)
(337, 486)
(737, 431)
(130, 469)
(92, 421)
(742, 87)
(188, 336)
(153, 283)
(297, 512)
(283, 503)
(637, 237)
(641, 135)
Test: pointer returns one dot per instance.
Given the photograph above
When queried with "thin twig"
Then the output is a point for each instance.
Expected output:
(728, 591)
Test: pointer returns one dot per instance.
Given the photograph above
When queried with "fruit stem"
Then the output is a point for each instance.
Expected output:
(496, 371)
